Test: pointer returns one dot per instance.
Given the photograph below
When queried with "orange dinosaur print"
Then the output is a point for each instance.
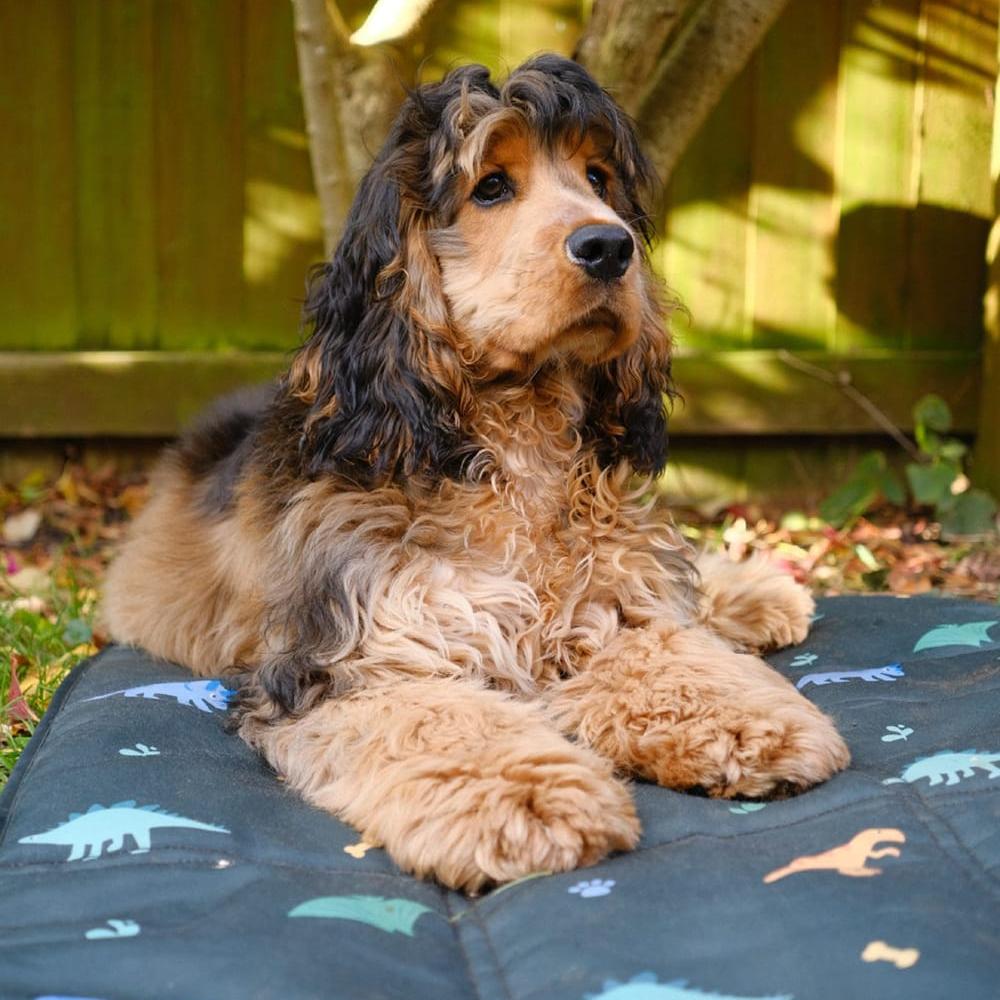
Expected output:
(847, 859)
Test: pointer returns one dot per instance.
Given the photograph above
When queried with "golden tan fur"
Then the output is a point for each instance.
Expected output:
(428, 550)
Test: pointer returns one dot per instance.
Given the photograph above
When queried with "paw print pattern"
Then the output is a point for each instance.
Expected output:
(595, 887)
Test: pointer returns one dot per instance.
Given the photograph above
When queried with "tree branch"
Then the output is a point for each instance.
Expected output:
(667, 62)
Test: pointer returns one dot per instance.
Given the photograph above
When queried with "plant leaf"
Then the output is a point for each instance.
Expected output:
(931, 484)
(932, 413)
(972, 513)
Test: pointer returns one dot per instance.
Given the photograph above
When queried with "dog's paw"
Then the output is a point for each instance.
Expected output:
(750, 750)
(677, 707)
(525, 814)
(754, 605)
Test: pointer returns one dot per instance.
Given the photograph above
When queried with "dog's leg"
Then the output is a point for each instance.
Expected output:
(679, 707)
(753, 605)
(456, 782)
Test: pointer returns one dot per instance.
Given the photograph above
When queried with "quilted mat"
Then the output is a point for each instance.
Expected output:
(145, 853)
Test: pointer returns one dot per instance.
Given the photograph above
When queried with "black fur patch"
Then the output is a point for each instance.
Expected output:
(215, 449)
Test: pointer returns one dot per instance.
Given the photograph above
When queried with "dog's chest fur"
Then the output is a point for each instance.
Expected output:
(515, 576)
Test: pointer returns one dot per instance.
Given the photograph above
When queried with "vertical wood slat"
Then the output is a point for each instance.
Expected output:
(199, 157)
(955, 197)
(38, 280)
(986, 464)
(703, 257)
(876, 170)
(282, 232)
(112, 97)
(794, 213)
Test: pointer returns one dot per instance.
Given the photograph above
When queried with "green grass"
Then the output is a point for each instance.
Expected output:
(43, 635)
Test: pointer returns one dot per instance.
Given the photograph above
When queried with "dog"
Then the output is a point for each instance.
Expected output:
(431, 550)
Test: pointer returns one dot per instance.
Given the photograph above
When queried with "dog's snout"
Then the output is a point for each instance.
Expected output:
(604, 252)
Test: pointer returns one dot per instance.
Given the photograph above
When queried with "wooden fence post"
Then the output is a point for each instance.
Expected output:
(987, 466)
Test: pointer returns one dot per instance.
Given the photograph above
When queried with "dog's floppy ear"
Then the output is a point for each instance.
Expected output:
(629, 397)
(378, 374)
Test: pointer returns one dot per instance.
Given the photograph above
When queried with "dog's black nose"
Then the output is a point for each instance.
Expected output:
(603, 252)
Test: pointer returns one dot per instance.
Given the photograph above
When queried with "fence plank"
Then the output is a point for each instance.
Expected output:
(877, 177)
(116, 198)
(282, 234)
(37, 177)
(950, 224)
(703, 257)
(793, 211)
(199, 155)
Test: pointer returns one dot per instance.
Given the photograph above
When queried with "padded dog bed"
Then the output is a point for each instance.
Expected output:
(145, 853)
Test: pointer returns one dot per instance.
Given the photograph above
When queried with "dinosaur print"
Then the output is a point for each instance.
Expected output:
(85, 834)
(887, 673)
(968, 634)
(951, 765)
(847, 859)
(203, 695)
(644, 986)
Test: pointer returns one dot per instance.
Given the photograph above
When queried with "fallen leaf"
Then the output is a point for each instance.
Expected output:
(19, 529)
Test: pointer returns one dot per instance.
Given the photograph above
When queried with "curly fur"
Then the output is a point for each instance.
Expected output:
(432, 550)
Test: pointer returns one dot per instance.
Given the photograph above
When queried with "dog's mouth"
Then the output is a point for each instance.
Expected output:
(591, 337)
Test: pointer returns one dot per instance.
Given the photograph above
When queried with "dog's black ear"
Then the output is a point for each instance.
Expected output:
(629, 400)
(372, 372)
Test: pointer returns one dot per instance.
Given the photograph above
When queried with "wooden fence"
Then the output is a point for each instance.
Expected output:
(157, 214)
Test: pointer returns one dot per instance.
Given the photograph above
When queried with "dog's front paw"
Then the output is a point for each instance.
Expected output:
(753, 750)
(524, 813)
(754, 605)
(676, 706)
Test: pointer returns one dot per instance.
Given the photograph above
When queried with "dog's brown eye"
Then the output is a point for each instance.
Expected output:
(598, 181)
(491, 189)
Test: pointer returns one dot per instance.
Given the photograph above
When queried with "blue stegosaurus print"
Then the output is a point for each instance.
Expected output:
(644, 986)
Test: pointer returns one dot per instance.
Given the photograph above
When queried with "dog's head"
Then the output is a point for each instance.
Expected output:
(499, 231)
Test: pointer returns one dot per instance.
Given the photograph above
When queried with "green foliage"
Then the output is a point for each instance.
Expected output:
(937, 480)
(41, 638)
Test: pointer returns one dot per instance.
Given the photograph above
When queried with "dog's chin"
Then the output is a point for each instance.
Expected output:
(593, 338)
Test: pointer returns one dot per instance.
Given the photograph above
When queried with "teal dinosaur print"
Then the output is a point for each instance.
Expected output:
(203, 695)
(645, 987)
(951, 765)
(967, 634)
(390, 915)
(887, 673)
(85, 834)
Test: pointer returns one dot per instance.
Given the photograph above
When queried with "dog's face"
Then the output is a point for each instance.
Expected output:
(499, 233)
(539, 262)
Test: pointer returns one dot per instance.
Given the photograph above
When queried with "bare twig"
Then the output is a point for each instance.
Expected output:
(843, 381)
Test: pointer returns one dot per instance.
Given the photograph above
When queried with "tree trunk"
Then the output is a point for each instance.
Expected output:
(668, 62)
(349, 96)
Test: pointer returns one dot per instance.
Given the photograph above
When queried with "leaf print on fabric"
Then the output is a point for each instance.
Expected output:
(967, 634)
(390, 915)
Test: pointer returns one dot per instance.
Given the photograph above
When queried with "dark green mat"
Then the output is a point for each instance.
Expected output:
(246, 892)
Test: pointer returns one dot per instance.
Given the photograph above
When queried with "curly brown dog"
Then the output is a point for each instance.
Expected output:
(431, 547)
